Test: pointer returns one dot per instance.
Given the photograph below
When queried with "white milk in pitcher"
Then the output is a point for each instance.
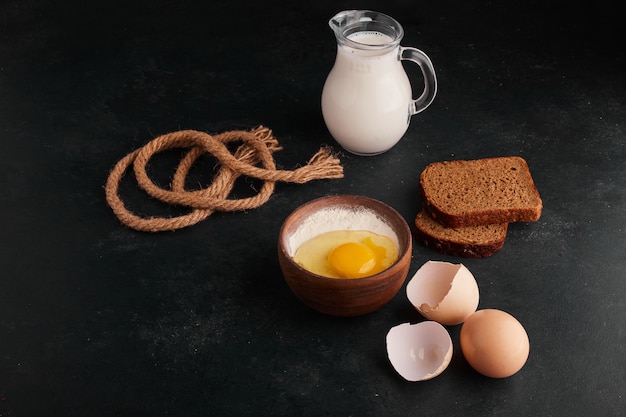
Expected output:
(366, 97)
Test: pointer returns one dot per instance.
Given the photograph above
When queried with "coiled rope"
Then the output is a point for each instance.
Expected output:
(256, 148)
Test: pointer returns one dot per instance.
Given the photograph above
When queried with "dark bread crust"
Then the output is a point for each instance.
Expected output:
(466, 193)
(468, 242)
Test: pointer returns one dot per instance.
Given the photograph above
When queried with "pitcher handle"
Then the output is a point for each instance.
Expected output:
(430, 79)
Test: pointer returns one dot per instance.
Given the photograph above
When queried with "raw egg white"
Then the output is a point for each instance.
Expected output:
(419, 352)
(443, 292)
(347, 254)
(494, 343)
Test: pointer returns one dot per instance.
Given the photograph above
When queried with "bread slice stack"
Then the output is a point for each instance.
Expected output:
(467, 205)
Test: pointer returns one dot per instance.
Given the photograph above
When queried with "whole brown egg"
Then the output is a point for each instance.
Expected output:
(494, 343)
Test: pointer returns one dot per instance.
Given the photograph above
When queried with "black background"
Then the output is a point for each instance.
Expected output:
(98, 319)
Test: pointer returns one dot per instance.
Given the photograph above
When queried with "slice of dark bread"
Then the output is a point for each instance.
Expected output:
(477, 192)
(468, 242)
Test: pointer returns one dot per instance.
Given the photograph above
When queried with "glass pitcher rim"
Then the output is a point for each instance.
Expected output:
(348, 22)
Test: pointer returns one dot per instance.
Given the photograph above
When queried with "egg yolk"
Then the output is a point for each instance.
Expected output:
(352, 259)
(356, 260)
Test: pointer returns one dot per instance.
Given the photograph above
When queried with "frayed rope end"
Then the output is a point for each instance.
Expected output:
(325, 164)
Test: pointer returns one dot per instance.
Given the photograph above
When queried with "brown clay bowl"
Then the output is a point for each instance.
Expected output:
(343, 297)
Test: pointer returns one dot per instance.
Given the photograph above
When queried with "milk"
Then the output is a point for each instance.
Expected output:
(366, 97)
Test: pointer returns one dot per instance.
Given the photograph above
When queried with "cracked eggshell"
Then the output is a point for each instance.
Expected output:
(419, 352)
(444, 292)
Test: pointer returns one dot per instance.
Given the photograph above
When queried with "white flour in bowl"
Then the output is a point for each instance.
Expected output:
(338, 218)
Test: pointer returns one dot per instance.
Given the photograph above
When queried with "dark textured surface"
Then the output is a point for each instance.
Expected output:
(96, 319)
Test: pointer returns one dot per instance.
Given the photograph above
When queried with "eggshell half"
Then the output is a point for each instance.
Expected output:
(444, 292)
(419, 352)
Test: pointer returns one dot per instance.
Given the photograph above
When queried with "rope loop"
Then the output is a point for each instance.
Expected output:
(252, 158)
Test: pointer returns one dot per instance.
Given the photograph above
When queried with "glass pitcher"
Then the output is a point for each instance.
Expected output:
(367, 101)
